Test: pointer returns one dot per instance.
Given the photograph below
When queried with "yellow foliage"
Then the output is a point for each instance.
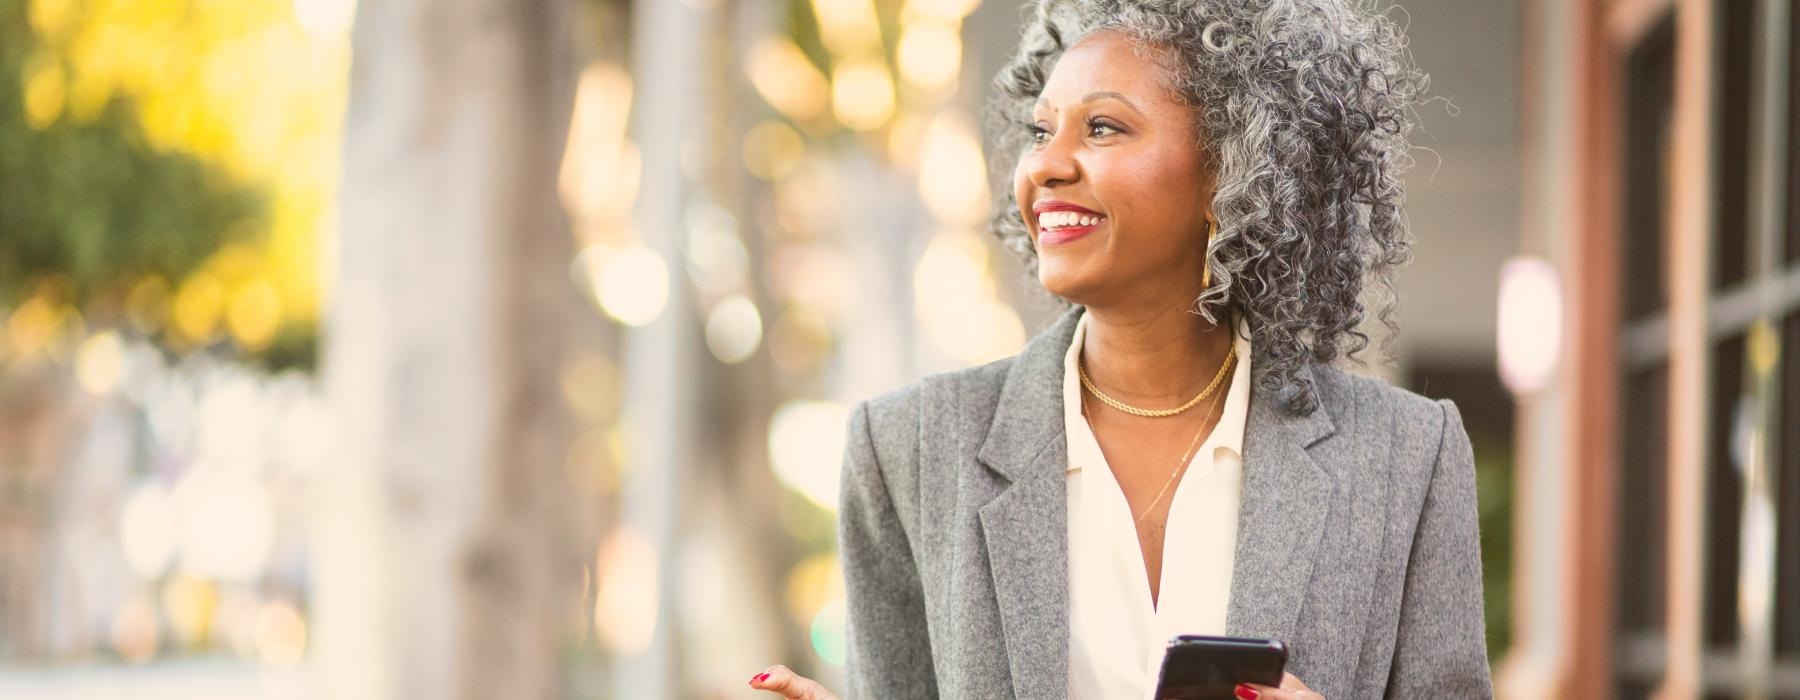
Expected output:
(198, 305)
(255, 315)
(44, 92)
(238, 83)
(51, 18)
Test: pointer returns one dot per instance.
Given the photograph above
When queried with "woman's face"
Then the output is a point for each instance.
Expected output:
(1114, 186)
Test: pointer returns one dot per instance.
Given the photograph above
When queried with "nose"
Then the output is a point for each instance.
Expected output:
(1053, 163)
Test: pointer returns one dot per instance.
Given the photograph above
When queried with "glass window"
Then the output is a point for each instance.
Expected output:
(1649, 115)
(1793, 149)
(1726, 413)
(1787, 481)
(1734, 73)
(1643, 525)
(1640, 582)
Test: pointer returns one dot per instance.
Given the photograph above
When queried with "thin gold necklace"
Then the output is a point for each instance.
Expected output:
(1230, 356)
(1186, 456)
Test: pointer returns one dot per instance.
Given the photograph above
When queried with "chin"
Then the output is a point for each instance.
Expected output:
(1057, 278)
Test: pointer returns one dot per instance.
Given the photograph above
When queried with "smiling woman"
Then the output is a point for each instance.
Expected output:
(1111, 147)
(1301, 113)
(1212, 185)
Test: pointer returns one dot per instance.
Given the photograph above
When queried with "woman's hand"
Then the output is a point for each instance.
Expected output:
(781, 681)
(1291, 689)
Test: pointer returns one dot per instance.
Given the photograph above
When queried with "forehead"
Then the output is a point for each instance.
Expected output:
(1108, 61)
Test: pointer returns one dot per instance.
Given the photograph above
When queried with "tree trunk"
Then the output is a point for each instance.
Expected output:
(445, 567)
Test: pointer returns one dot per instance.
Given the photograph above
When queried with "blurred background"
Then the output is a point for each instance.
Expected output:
(503, 349)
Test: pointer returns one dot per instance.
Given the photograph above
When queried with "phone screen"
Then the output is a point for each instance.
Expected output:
(1209, 668)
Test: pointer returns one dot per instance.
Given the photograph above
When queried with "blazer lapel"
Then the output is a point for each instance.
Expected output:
(1026, 524)
(1286, 495)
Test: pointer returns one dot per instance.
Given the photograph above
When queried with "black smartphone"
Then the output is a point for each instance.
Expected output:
(1209, 668)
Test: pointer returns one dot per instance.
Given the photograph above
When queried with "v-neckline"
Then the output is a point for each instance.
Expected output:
(1117, 514)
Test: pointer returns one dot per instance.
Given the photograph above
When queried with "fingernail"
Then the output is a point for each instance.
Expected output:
(760, 677)
(1246, 692)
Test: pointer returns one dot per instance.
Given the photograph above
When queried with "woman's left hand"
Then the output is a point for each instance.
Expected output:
(782, 681)
(1291, 689)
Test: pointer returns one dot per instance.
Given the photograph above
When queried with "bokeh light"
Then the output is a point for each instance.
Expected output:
(772, 149)
(734, 330)
(600, 171)
(226, 526)
(848, 27)
(930, 55)
(939, 10)
(952, 175)
(590, 385)
(133, 632)
(99, 362)
(718, 263)
(625, 607)
(45, 89)
(955, 300)
(862, 93)
(199, 303)
(806, 448)
(1530, 323)
(827, 633)
(814, 277)
(811, 584)
(147, 530)
(280, 634)
(254, 314)
(325, 18)
(806, 201)
(188, 604)
(799, 341)
(631, 283)
(788, 80)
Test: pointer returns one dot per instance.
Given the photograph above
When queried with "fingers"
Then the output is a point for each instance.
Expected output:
(1291, 689)
(783, 681)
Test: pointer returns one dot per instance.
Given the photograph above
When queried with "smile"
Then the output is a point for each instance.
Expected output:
(1052, 220)
(1063, 222)
(1059, 227)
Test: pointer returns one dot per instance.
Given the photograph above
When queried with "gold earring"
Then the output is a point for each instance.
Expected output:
(1212, 231)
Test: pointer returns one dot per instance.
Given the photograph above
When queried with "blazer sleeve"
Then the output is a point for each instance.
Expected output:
(1441, 648)
(888, 652)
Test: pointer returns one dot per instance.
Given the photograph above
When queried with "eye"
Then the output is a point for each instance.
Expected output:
(1037, 134)
(1101, 129)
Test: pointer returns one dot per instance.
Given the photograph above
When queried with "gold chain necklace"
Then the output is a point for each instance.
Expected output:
(1187, 455)
(1230, 356)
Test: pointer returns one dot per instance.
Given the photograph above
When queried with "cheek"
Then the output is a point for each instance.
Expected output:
(1021, 186)
(1161, 196)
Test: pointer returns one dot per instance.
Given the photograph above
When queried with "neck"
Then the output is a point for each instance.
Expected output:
(1155, 357)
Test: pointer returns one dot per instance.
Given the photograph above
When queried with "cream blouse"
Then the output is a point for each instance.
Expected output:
(1117, 636)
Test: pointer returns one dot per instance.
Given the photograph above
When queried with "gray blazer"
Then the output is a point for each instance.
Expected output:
(1357, 538)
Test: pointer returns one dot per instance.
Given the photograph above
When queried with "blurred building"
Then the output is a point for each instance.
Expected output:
(1658, 520)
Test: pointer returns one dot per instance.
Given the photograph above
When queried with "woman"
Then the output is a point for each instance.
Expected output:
(1212, 184)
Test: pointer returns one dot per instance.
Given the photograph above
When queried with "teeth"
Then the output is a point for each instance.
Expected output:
(1063, 219)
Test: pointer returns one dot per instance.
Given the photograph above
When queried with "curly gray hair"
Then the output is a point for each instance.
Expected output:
(1304, 109)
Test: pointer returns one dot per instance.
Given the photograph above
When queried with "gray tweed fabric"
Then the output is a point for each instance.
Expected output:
(1357, 537)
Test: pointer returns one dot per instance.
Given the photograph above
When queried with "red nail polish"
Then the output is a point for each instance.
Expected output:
(1246, 692)
(760, 677)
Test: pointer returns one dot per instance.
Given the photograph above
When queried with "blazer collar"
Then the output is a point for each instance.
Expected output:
(1029, 411)
(1287, 490)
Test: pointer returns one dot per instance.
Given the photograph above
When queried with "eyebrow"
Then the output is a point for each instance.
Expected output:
(1098, 95)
